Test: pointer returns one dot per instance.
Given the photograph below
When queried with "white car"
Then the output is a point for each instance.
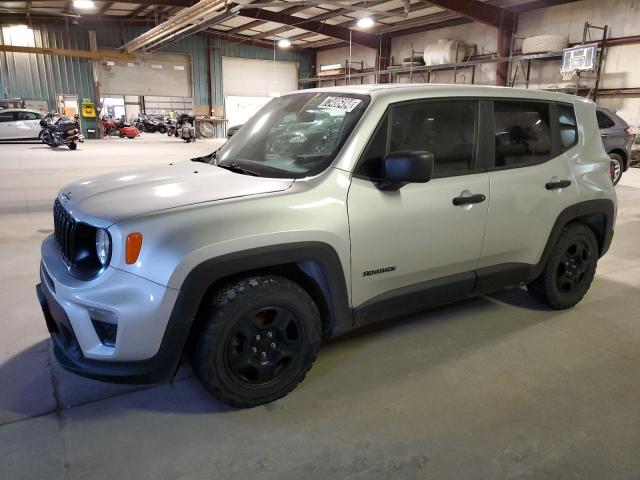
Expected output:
(330, 209)
(19, 124)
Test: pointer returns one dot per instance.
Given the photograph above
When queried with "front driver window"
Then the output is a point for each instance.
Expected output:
(447, 129)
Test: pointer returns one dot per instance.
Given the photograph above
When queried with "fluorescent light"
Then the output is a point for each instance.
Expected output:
(83, 4)
(365, 22)
(284, 43)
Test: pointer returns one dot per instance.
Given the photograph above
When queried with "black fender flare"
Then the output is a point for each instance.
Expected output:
(578, 211)
(317, 260)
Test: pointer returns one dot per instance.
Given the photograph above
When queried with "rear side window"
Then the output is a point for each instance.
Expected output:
(522, 133)
(604, 121)
(6, 117)
(568, 126)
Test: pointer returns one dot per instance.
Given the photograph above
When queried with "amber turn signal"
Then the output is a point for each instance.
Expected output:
(134, 244)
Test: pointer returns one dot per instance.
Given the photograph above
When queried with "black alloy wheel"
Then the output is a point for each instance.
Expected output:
(263, 345)
(573, 266)
(569, 270)
(255, 340)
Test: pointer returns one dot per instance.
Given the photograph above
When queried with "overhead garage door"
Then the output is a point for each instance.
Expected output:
(247, 84)
(160, 74)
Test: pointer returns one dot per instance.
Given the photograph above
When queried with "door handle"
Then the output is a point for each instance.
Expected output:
(603, 135)
(557, 185)
(477, 198)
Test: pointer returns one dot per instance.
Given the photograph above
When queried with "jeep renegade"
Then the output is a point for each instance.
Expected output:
(330, 209)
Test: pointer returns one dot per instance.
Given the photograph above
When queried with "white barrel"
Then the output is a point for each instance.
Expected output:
(440, 53)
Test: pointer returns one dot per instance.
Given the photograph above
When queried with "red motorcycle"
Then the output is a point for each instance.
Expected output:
(119, 127)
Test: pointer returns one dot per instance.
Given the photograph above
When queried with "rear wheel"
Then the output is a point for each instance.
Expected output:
(616, 166)
(260, 337)
(569, 270)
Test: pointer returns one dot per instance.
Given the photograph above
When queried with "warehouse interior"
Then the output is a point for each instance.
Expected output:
(496, 386)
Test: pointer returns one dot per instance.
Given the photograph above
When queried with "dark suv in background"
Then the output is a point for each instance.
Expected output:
(617, 138)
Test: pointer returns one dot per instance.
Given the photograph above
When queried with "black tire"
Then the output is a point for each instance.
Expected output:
(162, 129)
(72, 146)
(569, 270)
(41, 135)
(259, 338)
(616, 167)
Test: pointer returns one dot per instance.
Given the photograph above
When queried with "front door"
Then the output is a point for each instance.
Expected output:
(402, 240)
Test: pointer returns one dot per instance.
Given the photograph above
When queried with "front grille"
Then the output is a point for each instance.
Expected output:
(65, 227)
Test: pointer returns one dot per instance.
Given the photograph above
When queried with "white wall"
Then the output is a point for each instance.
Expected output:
(622, 63)
(485, 37)
(339, 55)
(621, 68)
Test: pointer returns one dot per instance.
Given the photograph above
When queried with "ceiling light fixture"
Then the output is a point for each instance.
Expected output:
(284, 43)
(365, 22)
(83, 4)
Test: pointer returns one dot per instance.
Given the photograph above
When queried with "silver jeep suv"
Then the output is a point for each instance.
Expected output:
(330, 209)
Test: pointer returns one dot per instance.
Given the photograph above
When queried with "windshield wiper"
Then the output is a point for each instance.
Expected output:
(206, 158)
(234, 167)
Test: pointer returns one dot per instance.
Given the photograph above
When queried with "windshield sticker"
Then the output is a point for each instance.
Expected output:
(340, 103)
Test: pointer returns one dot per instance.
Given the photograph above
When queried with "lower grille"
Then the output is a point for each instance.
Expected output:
(65, 227)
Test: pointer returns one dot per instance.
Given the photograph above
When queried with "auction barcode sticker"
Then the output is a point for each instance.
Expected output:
(340, 103)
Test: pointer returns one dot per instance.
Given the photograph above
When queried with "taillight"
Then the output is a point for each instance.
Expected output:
(628, 131)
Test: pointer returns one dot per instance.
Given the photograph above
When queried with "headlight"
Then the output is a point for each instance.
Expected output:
(103, 245)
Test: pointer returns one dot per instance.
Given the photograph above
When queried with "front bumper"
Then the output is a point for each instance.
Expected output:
(141, 308)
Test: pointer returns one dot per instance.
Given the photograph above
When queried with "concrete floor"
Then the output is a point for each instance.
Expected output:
(491, 388)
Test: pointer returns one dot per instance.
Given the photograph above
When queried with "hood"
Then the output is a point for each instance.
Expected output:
(107, 199)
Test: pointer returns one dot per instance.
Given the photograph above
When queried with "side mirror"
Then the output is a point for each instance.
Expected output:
(402, 167)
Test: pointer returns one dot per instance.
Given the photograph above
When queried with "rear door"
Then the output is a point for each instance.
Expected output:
(531, 182)
(27, 124)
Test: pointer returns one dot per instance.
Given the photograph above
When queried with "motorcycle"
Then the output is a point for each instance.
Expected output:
(151, 126)
(119, 127)
(60, 131)
(184, 128)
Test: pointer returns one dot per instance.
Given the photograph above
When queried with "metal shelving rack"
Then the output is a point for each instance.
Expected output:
(432, 68)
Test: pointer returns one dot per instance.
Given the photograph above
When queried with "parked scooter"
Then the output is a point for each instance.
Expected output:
(60, 131)
(119, 127)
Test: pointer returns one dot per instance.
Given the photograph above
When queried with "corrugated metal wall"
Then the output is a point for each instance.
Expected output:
(41, 77)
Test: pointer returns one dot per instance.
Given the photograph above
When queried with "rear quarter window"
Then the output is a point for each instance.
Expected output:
(568, 126)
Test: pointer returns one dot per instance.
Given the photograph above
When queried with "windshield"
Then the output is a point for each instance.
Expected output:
(293, 136)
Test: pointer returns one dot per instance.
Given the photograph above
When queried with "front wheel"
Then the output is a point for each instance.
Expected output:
(259, 337)
(43, 136)
(616, 166)
(72, 146)
(162, 129)
(569, 270)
